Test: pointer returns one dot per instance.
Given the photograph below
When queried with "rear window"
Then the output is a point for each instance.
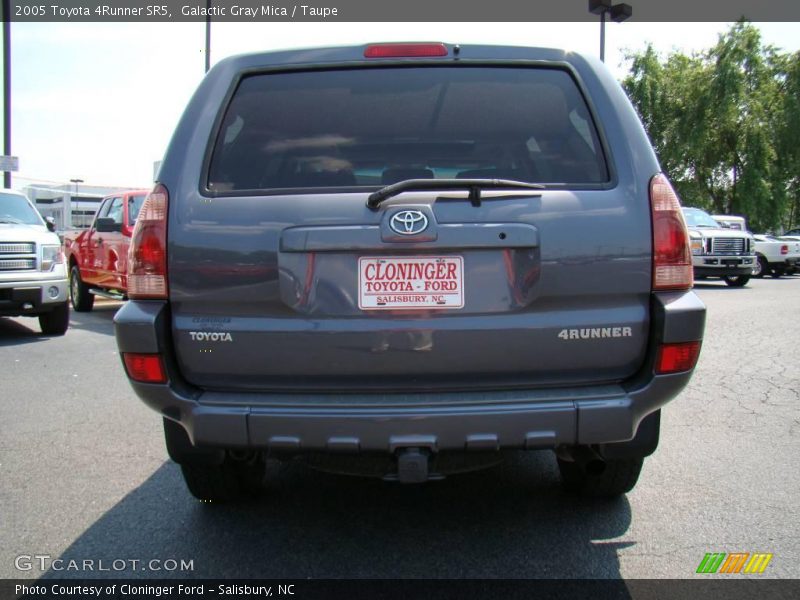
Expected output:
(374, 127)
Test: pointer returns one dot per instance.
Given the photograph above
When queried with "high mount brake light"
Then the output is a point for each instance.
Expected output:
(147, 255)
(405, 50)
(672, 254)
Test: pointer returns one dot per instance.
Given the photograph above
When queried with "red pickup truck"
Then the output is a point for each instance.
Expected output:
(98, 257)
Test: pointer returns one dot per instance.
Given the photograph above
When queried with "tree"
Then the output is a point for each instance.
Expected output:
(788, 171)
(717, 121)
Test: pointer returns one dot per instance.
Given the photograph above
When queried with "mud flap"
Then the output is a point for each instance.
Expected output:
(643, 444)
(181, 450)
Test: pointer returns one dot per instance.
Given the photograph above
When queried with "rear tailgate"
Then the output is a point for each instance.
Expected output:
(282, 278)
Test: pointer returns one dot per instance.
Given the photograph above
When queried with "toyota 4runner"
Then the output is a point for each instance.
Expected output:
(401, 259)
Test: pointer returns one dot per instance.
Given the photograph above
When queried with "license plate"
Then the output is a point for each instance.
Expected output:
(410, 282)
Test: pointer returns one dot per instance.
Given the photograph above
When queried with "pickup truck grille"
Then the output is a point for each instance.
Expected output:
(728, 246)
(17, 256)
(18, 248)
(17, 264)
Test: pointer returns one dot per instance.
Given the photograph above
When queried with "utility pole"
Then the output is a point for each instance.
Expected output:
(7, 87)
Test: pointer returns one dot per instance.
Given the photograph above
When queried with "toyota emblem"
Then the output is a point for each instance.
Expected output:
(408, 222)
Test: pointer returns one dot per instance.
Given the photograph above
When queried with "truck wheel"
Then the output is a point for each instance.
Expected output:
(82, 300)
(618, 477)
(737, 281)
(55, 322)
(240, 475)
(212, 474)
(761, 268)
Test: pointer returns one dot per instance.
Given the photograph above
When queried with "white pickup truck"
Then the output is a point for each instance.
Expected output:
(719, 251)
(776, 256)
(33, 279)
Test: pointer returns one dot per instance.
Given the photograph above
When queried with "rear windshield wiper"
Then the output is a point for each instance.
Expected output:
(473, 185)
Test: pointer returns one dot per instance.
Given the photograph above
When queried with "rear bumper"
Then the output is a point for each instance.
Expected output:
(19, 298)
(381, 422)
(523, 420)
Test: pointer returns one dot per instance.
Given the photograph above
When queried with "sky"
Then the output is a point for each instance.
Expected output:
(99, 101)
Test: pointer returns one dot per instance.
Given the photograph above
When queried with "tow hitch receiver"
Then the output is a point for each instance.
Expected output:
(412, 466)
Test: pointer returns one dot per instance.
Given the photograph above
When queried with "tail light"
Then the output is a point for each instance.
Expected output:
(144, 368)
(675, 358)
(784, 249)
(405, 50)
(147, 255)
(672, 254)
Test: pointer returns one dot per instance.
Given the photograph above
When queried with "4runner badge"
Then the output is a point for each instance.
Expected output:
(592, 333)
(209, 336)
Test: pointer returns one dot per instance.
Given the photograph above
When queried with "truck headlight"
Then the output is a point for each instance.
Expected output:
(51, 255)
(697, 245)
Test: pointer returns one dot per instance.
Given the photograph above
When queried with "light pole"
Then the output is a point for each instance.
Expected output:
(208, 35)
(76, 182)
(68, 220)
(6, 87)
(619, 13)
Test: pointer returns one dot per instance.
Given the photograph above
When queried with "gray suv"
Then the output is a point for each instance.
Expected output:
(403, 259)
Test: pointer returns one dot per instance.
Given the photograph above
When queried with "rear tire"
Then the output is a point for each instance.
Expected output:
(737, 281)
(214, 475)
(212, 483)
(55, 322)
(82, 300)
(619, 477)
(234, 479)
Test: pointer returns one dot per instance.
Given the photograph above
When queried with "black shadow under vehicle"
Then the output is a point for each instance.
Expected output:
(410, 256)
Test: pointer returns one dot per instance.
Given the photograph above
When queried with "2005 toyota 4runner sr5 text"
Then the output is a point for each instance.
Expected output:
(401, 259)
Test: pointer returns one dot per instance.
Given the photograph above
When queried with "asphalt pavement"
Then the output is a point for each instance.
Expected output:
(84, 476)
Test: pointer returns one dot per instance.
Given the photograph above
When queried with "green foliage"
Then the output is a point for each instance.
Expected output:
(724, 124)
